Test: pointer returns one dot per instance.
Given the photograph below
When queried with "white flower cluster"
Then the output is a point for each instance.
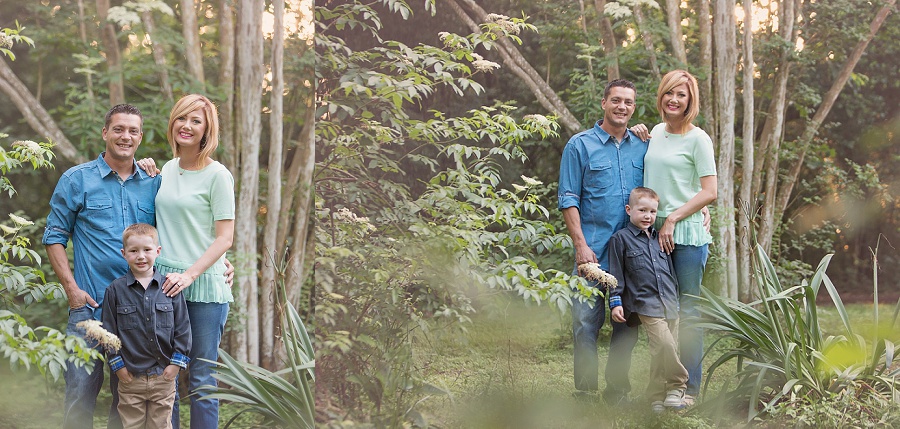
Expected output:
(345, 215)
(94, 330)
(503, 22)
(5, 41)
(530, 181)
(30, 147)
(592, 271)
(540, 120)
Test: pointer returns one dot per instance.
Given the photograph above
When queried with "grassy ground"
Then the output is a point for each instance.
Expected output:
(27, 401)
(513, 369)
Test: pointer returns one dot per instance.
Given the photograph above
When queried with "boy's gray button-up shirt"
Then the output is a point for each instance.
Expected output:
(646, 274)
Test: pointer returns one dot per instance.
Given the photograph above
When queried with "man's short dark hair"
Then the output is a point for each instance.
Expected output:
(618, 83)
(123, 108)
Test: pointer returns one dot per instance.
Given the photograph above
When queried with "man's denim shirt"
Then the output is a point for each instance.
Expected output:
(92, 207)
(646, 275)
(154, 328)
(596, 177)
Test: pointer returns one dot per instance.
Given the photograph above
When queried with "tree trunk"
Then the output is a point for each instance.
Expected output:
(82, 30)
(272, 249)
(705, 25)
(726, 60)
(230, 146)
(772, 134)
(673, 19)
(159, 56)
(304, 165)
(647, 38)
(513, 59)
(250, 76)
(610, 48)
(113, 58)
(812, 127)
(191, 32)
(35, 114)
(746, 201)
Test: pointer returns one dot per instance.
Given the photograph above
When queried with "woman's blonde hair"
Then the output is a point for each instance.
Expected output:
(188, 104)
(668, 83)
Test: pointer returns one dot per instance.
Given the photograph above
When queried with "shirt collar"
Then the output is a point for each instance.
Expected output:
(131, 280)
(105, 169)
(606, 138)
(637, 231)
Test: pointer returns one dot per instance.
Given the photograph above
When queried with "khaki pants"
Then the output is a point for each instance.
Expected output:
(666, 371)
(146, 402)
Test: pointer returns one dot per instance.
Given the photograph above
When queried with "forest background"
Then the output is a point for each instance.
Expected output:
(65, 63)
(441, 126)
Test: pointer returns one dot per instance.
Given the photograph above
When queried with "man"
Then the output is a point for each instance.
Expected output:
(91, 205)
(599, 168)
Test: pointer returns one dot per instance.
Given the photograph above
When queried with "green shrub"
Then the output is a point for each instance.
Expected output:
(784, 357)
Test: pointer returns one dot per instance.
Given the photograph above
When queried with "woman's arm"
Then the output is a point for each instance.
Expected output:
(176, 282)
(708, 193)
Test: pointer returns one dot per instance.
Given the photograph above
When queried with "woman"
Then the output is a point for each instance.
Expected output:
(680, 167)
(195, 217)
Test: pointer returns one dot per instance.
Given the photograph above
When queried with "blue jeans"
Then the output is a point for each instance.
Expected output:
(82, 386)
(586, 325)
(690, 263)
(207, 328)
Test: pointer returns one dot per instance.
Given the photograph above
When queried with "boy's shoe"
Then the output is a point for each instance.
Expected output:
(674, 399)
(657, 406)
(585, 395)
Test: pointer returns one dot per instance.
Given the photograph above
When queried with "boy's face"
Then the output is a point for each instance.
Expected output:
(141, 251)
(643, 213)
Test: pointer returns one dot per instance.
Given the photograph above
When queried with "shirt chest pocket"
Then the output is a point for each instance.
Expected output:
(127, 317)
(99, 212)
(635, 260)
(663, 261)
(600, 175)
(165, 315)
(146, 212)
(638, 172)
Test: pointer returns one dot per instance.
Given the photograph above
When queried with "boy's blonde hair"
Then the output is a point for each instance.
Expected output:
(668, 83)
(140, 229)
(641, 192)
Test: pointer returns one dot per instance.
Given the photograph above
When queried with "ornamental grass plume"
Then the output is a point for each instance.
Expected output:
(94, 330)
(592, 271)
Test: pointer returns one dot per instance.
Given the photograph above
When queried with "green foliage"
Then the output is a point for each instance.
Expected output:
(782, 353)
(412, 212)
(23, 282)
(285, 397)
(9, 37)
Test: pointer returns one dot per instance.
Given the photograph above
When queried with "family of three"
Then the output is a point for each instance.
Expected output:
(163, 290)
(634, 203)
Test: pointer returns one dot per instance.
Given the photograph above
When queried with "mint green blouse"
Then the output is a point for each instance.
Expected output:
(187, 207)
(673, 167)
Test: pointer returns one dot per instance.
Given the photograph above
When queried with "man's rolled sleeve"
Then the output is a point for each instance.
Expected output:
(63, 211)
(570, 178)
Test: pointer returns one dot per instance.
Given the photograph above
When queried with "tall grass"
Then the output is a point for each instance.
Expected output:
(781, 352)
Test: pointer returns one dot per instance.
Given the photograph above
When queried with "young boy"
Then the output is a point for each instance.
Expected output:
(647, 294)
(154, 330)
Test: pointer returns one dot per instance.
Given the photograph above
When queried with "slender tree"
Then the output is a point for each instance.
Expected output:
(191, 32)
(272, 249)
(250, 78)
(743, 239)
(113, 55)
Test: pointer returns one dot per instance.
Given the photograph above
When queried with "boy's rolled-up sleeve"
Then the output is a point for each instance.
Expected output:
(617, 270)
(182, 333)
(113, 357)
